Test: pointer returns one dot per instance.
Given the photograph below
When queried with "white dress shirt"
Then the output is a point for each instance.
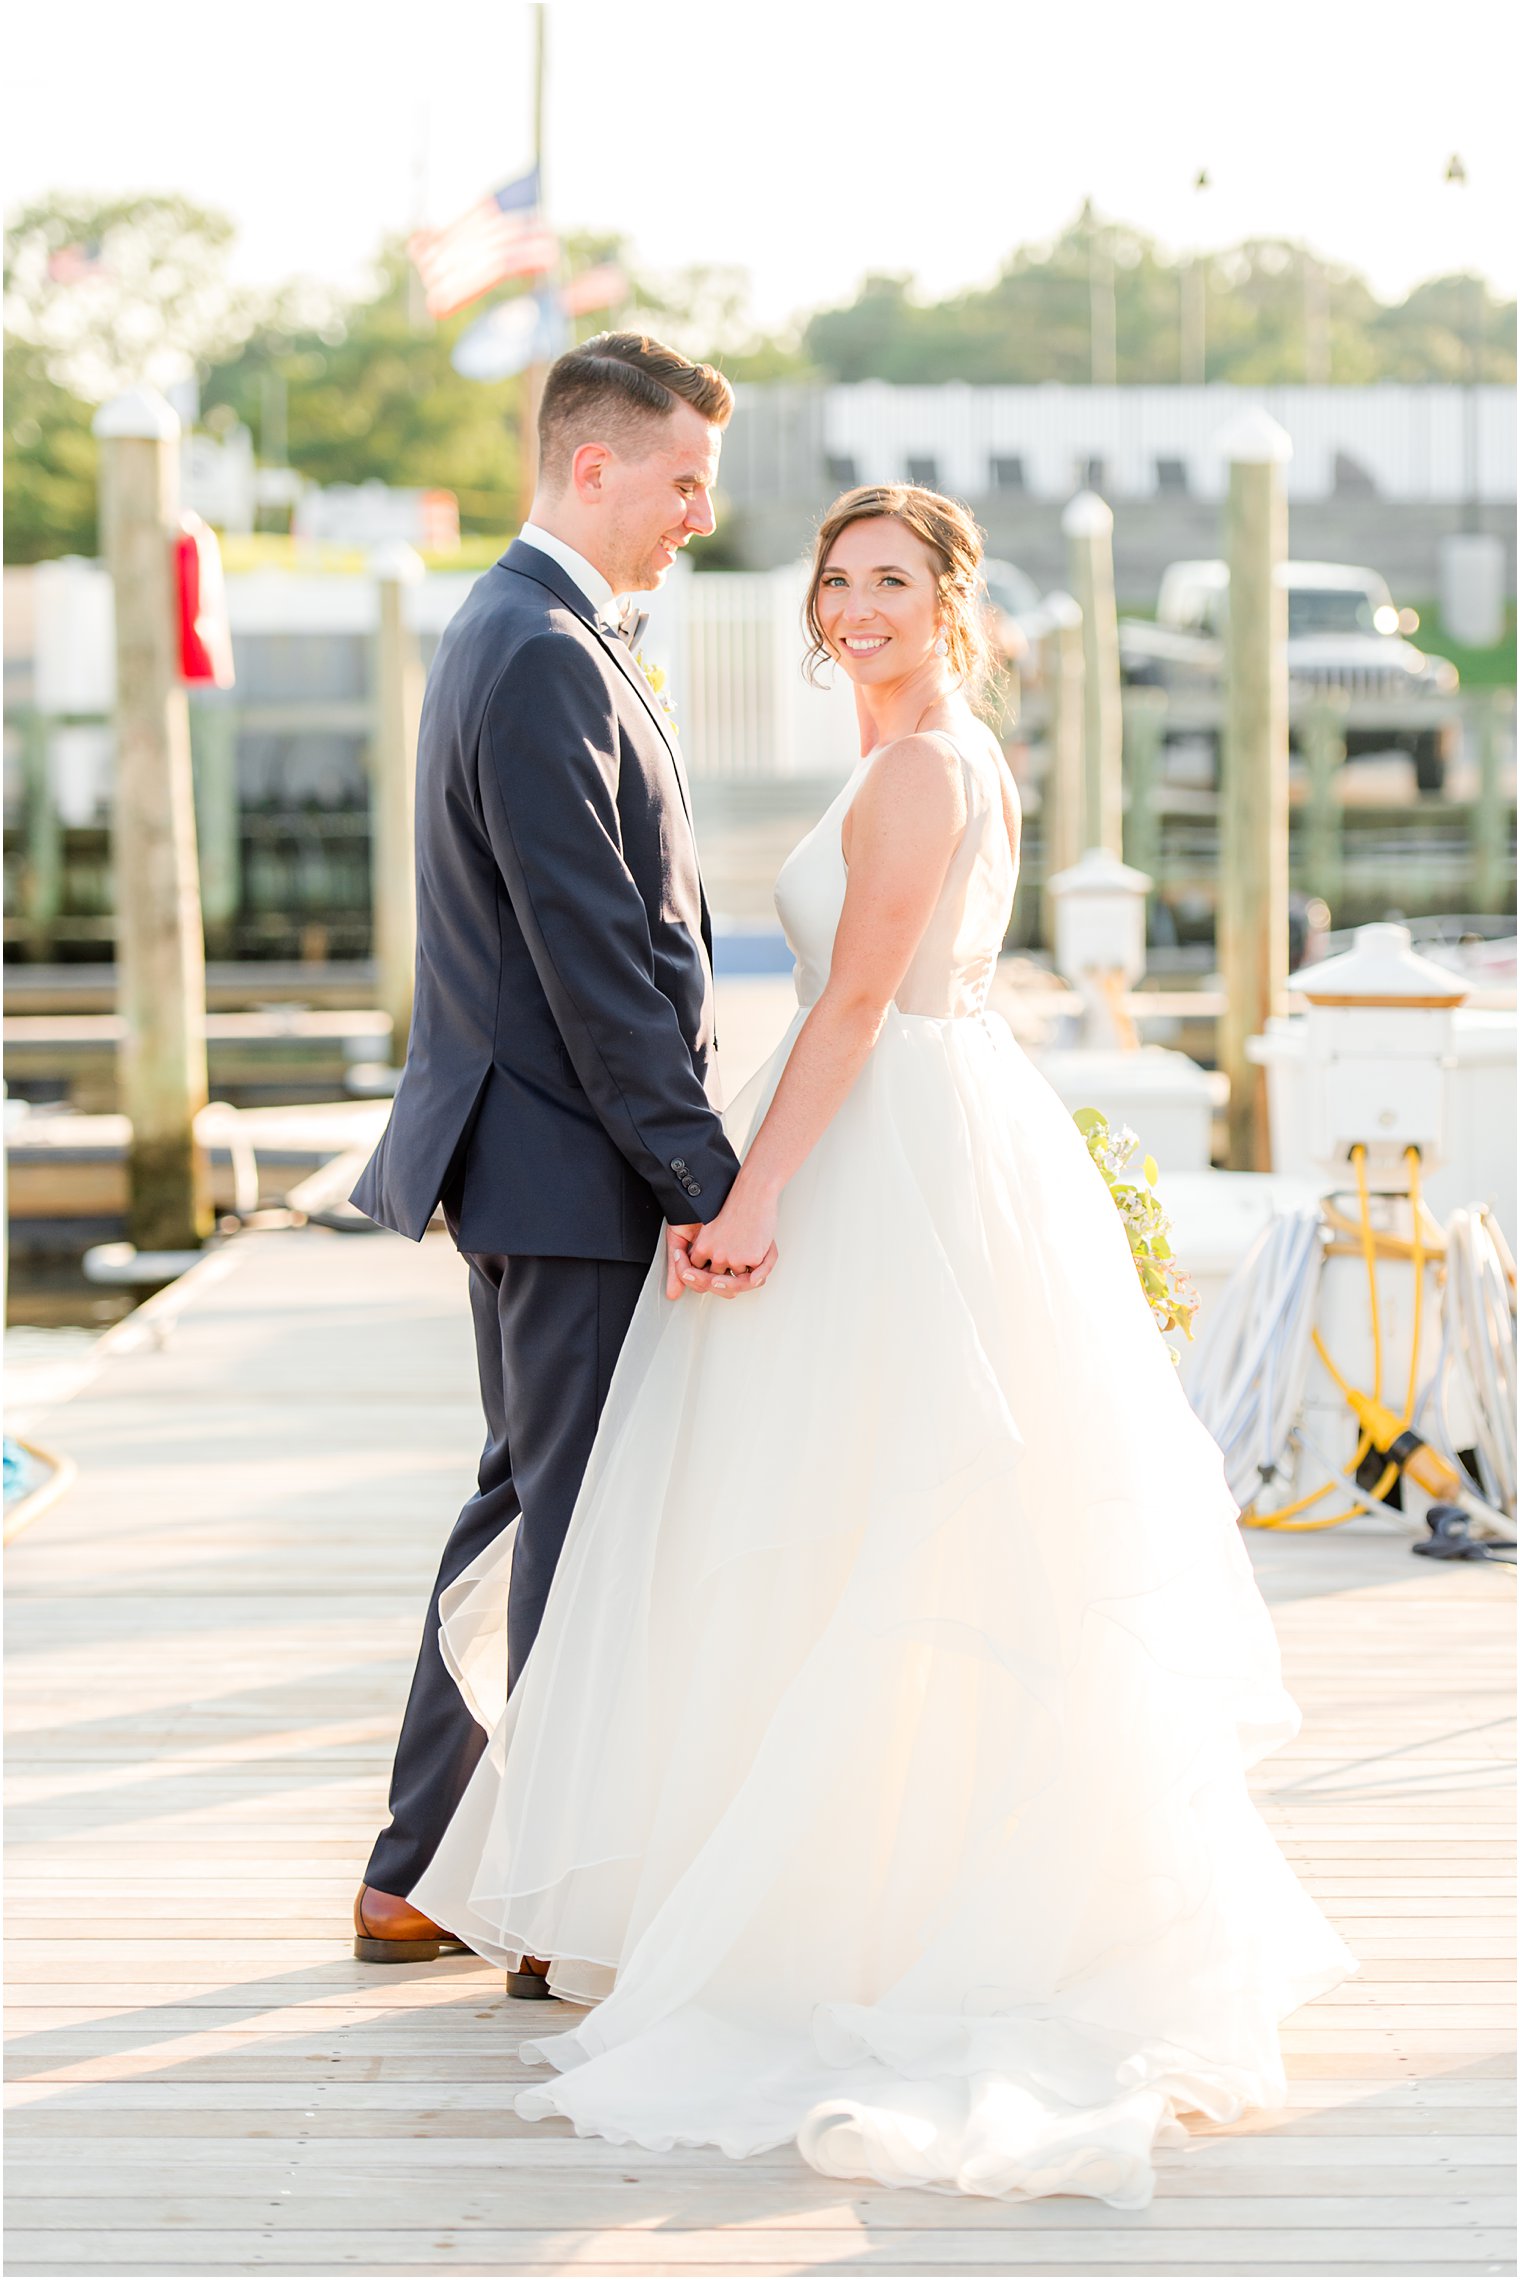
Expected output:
(589, 579)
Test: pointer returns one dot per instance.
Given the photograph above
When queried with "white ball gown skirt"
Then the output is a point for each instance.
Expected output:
(879, 1770)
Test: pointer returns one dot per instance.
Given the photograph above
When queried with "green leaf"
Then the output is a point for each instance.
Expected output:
(1151, 1169)
(1090, 1120)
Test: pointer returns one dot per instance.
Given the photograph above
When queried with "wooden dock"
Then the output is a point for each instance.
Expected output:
(210, 1637)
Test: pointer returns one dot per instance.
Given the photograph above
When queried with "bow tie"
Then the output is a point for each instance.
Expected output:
(630, 626)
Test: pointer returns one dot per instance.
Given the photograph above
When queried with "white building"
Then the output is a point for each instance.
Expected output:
(1407, 443)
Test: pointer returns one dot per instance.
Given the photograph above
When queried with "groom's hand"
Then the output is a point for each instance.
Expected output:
(680, 1273)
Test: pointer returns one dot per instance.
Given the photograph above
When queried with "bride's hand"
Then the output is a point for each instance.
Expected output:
(738, 1248)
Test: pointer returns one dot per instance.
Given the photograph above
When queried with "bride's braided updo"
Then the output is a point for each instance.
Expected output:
(955, 542)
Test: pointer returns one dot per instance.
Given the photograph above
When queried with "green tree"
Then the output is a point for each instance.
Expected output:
(1432, 333)
(50, 463)
(100, 294)
(149, 299)
(370, 393)
(1275, 312)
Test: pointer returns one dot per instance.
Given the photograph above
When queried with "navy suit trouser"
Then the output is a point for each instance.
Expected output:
(547, 1337)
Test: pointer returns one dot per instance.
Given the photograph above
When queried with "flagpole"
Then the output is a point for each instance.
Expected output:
(533, 378)
(416, 312)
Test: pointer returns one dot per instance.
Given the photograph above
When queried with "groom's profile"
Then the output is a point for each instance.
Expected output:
(559, 1095)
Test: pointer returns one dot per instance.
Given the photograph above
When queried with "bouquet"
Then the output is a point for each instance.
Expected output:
(1169, 1290)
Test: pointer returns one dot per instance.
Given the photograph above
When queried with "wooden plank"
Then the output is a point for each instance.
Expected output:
(1340, 2189)
(1298, 2249)
(883, 2265)
(1317, 2102)
(221, 2204)
(333, 2059)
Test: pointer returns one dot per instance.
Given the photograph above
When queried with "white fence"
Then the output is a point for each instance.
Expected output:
(732, 645)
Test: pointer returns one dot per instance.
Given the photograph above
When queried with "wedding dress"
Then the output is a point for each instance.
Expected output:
(879, 1770)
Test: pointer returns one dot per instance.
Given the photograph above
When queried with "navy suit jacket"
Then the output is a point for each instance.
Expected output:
(562, 1031)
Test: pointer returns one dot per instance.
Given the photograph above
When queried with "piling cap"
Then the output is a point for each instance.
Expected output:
(1060, 609)
(1087, 516)
(1098, 873)
(1255, 440)
(1380, 968)
(395, 560)
(140, 413)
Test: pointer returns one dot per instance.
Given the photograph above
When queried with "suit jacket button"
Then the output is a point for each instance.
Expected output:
(692, 1188)
(677, 1163)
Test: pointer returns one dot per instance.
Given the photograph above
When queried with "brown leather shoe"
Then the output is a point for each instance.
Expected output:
(531, 1983)
(391, 1930)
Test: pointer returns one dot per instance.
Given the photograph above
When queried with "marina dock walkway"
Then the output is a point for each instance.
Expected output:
(210, 1636)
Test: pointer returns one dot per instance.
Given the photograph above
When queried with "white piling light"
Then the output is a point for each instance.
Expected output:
(1100, 917)
(141, 414)
(1380, 1040)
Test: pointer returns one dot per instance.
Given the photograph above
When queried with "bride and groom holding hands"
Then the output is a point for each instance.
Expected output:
(874, 1769)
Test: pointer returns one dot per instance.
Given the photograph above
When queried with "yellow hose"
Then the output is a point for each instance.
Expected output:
(1285, 1516)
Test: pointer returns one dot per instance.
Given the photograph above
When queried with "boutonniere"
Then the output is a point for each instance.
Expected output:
(655, 675)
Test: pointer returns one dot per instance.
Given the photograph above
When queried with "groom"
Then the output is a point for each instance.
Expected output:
(559, 1097)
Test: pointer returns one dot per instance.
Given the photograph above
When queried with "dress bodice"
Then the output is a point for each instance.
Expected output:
(953, 966)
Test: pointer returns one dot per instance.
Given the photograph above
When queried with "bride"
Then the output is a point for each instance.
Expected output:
(878, 1774)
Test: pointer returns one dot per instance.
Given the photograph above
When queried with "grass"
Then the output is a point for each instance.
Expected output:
(276, 550)
(1480, 668)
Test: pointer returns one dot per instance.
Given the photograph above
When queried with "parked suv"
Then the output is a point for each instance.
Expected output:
(1344, 632)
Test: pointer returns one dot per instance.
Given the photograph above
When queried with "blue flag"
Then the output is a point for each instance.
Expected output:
(531, 329)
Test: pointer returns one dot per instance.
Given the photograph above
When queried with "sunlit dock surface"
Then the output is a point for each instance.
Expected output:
(210, 1637)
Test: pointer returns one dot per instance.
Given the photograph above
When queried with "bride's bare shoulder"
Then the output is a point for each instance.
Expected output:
(925, 766)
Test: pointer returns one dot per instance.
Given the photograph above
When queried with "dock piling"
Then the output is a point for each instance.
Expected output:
(1061, 791)
(1144, 734)
(393, 787)
(42, 876)
(1253, 897)
(160, 948)
(213, 756)
(1324, 742)
(1489, 806)
(1089, 527)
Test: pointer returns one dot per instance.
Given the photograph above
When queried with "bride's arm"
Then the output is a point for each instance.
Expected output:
(904, 825)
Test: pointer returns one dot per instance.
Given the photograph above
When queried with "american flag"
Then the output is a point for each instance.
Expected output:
(499, 237)
(599, 288)
(75, 264)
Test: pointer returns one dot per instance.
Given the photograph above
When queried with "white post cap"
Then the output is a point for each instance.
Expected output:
(1087, 516)
(1060, 609)
(1255, 440)
(141, 412)
(1381, 968)
(398, 562)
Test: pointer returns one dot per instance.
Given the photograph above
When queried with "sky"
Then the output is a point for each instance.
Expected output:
(806, 141)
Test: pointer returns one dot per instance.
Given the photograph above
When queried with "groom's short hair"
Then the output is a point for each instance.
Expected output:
(615, 388)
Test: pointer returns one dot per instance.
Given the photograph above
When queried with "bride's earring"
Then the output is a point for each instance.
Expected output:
(941, 647)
